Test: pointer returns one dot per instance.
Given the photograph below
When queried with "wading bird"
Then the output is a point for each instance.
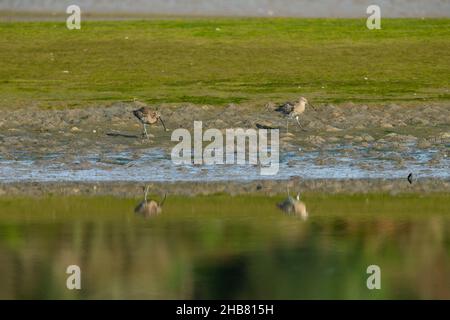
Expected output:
(410, 178)
(294, 110)
(294, 207)
(150, 208)
(147, 116)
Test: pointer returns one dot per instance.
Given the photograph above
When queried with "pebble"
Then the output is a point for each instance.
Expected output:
(315, 140)
(329, 128)
(423, 144)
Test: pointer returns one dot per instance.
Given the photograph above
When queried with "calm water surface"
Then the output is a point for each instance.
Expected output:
(226, 247)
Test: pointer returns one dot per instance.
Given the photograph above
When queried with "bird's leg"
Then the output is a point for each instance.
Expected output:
(160, 119)
(296, 118)
(145, 130)
(287, 125)
(146, 192)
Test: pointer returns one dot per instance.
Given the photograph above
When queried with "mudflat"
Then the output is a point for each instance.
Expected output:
(358, 141)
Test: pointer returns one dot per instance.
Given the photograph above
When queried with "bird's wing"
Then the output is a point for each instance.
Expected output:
(285, 108)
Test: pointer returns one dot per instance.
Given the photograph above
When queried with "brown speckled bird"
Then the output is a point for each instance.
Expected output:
(294, 207)
(149, 208)
(294, 110)
(147, 116)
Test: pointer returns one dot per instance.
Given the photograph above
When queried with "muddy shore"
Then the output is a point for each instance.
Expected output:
(80, 130)
(265, 187)
(375, 142)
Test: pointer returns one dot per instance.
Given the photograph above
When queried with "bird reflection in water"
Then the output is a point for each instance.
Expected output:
(149, 208)
(294, 207)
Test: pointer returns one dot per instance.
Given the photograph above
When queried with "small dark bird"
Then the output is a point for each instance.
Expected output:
(150, 208)
(147, 116)
(410, 178)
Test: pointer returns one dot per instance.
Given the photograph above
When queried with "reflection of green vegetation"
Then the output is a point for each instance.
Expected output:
(218, 61)
(226, 247)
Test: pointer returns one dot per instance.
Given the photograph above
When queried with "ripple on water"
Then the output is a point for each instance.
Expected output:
(154, 165)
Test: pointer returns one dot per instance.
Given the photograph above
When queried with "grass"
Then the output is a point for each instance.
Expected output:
(224, 60)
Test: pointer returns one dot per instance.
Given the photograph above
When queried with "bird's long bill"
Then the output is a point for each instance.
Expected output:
(314, 108)
(160, 119)
(162, 202)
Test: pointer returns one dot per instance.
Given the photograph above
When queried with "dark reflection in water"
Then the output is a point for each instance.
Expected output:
(294, 206)
(151, 208)
(226, 247)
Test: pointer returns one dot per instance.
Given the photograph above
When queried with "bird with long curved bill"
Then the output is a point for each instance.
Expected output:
(294, 110)
(148, 117)
(149, 208)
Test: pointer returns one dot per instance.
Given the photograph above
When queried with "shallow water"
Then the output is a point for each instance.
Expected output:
(226, 247)
(297, 8)
(154, 164)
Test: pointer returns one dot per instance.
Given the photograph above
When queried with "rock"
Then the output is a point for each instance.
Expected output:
(365, 145)
(333, 139)
(264, 125)
(287, 139)
(393, 107)
(219, 123)
(400, 123)
(315, 125)
(423, 144)
(325, 161)
(271, 106)
(420, 121)
(75, 129)
(437, 157)
(329, 128)
(288, 134)
(319, 162)
(379, 146)
(368, 138)
(315, 140)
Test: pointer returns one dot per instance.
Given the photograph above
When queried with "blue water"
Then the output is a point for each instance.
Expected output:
(155, 165)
